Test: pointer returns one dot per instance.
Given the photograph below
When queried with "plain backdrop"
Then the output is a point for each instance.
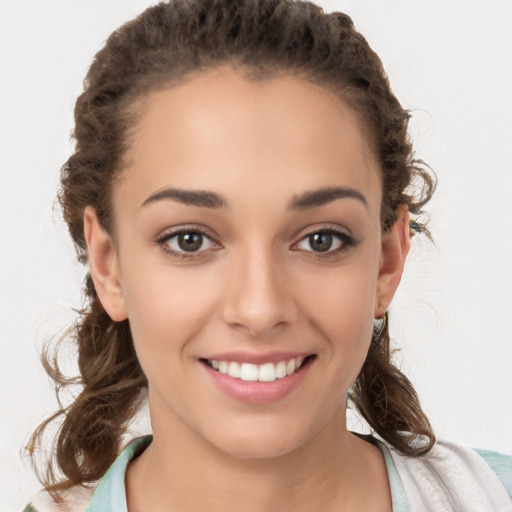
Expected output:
(449, 62)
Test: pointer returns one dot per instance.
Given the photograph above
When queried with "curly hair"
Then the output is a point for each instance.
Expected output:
(167, 44)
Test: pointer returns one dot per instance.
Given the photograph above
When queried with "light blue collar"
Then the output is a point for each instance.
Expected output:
(111, 494)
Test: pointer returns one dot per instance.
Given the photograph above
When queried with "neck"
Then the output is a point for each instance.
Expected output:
(182, 471)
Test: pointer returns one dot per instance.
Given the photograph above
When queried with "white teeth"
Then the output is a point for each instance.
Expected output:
(234, 370)
(280, 370)
(249, 371)
(267, 372)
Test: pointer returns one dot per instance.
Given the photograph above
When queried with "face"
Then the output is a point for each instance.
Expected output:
(248, 258)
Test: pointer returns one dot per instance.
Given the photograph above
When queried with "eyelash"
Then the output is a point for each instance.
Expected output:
(163, 240)
(347, 241)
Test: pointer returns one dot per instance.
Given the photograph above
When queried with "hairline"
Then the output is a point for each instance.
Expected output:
(132, 107)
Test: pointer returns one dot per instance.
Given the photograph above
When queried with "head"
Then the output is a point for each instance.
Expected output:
(172, 42)
(260, 102)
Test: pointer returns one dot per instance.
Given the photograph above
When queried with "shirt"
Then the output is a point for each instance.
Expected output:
(450, 477)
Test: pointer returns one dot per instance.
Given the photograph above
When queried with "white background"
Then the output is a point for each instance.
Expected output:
(450, 62)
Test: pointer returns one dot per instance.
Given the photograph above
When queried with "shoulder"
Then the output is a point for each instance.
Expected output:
(452, 474)
(501, 464)
(109, 491)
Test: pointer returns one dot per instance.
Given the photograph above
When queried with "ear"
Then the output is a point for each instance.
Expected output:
(396, 243)
(104, 266)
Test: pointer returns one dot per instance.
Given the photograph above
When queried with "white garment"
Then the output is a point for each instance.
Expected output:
(451, 478)
(75, 500)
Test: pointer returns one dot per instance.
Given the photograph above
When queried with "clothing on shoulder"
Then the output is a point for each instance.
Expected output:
(451, 477)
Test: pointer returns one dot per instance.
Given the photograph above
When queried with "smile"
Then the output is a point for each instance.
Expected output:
(267, 372)
(258, 379)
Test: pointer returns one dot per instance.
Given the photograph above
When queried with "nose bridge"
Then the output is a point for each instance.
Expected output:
(258, 298)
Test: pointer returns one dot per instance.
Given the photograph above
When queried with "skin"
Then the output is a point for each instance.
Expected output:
(260, 286)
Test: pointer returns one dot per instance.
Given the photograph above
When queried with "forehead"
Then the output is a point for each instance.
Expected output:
(219, 131)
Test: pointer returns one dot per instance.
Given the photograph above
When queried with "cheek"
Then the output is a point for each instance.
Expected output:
(341, 309)
(166, 308)
(345, 319)
(344, 297)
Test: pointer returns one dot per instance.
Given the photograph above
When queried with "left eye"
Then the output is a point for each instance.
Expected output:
(189, 241)
(322, 241)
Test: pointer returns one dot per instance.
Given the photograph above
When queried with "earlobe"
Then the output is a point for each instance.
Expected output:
(104, 266)
(396, 243)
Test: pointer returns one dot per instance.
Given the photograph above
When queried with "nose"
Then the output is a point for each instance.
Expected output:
(259, 297)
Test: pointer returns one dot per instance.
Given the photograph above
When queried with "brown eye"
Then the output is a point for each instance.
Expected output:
(321, 241)
(188, 242)
(327, 242)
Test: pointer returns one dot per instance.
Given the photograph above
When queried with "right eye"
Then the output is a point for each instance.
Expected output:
(186, 243)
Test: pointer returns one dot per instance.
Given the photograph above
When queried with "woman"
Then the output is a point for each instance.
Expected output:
(242, 188)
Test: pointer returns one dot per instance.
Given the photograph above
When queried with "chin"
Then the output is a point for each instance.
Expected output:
(251, 448)
(265, 438)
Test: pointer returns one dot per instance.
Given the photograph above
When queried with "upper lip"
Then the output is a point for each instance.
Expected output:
(256, 358)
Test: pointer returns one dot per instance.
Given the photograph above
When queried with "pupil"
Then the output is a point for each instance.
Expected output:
(321, 242)
(190, 241)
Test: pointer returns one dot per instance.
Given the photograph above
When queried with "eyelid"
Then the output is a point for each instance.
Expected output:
(163, 238)
(346, 238)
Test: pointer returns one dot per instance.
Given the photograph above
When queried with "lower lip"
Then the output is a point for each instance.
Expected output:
(258, 392)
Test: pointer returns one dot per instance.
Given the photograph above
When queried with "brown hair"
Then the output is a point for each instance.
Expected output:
(169, 43)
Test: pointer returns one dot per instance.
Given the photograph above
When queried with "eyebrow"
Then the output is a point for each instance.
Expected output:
(199, 198)
(304, 201)
(315, 198)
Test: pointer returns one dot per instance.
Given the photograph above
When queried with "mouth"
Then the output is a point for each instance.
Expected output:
(267, 372)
